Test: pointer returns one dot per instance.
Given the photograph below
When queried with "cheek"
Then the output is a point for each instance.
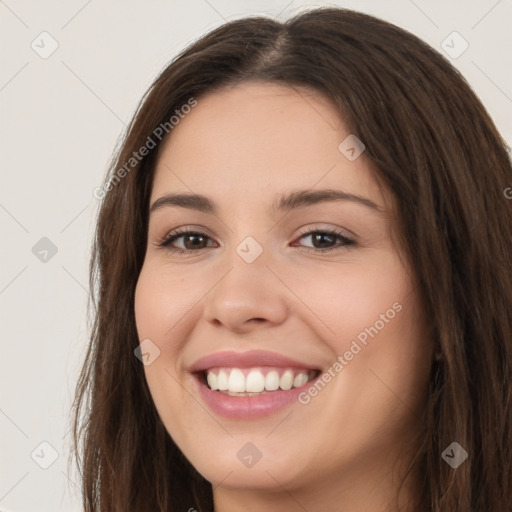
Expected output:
(369, 315)
(163, 304)
(163, 300)
(348, 297)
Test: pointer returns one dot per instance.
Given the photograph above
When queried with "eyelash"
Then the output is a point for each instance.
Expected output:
(174, 235)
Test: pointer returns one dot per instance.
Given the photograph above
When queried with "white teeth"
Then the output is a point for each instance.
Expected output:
(212, 381)
(255, 382)
(222, 381)
(300, 380)
(286, 380)
(272, 381)
(234, 382)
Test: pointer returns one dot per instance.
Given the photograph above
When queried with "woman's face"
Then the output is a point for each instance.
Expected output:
(268, 293)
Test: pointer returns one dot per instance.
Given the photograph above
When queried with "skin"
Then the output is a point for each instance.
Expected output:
(242, 146)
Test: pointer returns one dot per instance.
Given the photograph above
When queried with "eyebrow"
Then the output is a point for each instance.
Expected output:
(283, 203)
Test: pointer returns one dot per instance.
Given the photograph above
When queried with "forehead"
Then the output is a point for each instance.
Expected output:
(261, 139)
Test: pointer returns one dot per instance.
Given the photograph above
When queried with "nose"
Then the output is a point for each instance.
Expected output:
(247, 297)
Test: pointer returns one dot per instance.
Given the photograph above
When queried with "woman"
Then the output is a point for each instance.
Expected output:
(303, 282)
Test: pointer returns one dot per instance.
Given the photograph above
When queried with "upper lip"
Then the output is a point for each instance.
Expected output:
(250, 359)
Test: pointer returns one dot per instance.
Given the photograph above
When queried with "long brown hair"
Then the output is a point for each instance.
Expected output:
(436, 148)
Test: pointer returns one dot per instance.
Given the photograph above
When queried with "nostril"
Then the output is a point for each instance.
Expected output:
(256, 320)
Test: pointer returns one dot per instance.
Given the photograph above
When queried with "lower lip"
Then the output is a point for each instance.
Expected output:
(249, 407)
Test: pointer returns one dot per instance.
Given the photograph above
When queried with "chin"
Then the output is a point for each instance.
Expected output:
(255, 465)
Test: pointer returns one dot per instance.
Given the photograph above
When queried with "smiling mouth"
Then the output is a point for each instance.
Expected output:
(255, 381)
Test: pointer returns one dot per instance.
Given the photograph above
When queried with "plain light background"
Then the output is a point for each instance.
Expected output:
(60, 119)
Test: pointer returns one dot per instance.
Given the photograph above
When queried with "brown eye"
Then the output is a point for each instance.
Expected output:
(187, 241)
(326, 240)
